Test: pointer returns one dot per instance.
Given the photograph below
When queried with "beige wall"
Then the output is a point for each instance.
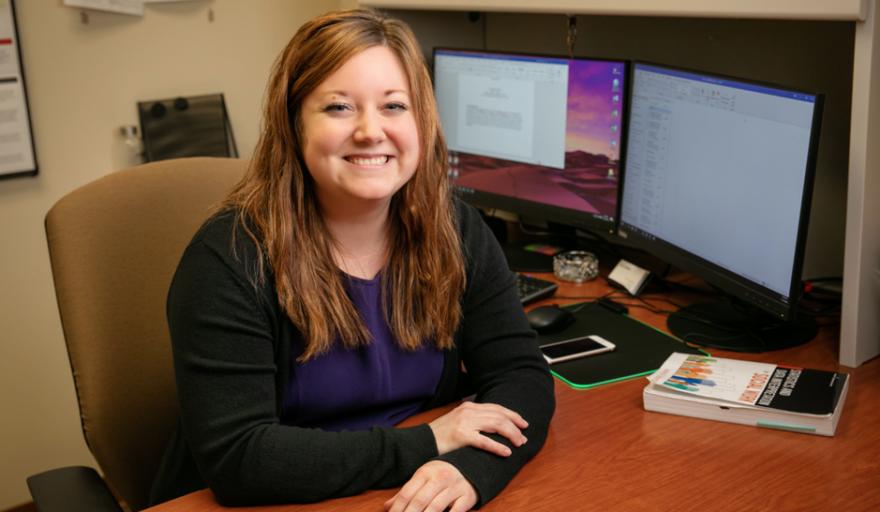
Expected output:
(83, 81)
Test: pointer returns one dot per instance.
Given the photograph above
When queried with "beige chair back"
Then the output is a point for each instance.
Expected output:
(114, 245)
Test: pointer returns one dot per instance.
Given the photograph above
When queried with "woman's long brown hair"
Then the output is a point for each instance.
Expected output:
(277, 206)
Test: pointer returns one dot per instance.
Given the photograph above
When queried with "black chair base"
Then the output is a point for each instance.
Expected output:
(71, 489)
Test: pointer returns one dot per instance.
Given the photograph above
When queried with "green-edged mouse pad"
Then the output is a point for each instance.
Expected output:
(641, 349)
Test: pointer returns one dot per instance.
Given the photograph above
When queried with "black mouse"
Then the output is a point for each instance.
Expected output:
(552, 318)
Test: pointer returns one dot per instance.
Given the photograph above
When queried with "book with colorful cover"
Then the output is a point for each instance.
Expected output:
(751, 393)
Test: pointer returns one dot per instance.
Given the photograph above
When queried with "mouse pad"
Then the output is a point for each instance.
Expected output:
(641, 349)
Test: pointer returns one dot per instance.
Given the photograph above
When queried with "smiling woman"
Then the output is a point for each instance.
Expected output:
(340, 289)
(361, 138)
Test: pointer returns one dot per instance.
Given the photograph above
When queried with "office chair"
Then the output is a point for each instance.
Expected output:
(114, 245)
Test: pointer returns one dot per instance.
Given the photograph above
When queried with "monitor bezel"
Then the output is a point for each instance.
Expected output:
(543, 212)
(725, 280)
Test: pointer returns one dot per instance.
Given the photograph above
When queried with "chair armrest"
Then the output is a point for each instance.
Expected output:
(71, 489)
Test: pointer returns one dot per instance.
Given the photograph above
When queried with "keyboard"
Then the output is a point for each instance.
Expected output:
(534, 288)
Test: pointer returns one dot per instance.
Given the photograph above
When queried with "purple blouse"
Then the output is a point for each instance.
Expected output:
(376, 385)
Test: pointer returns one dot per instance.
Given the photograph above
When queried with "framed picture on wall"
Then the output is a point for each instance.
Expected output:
(17, 154)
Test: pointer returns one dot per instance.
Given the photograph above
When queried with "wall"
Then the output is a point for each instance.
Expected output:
(83, 81)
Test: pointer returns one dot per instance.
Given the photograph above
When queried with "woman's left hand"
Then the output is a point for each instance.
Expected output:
(434, 487)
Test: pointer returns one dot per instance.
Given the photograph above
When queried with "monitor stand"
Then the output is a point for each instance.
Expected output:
(523, 260)
(738, 327)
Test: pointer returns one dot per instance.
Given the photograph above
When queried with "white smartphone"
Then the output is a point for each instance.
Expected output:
(575, 348)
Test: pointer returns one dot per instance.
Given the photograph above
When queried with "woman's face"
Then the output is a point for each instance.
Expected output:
(361, 140)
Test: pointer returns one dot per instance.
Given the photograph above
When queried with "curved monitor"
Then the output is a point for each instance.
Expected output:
(535, 135)
(719, 183)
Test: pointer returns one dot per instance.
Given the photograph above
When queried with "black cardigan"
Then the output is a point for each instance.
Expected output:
(232, 345)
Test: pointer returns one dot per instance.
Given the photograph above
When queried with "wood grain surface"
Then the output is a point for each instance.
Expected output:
(605, 453)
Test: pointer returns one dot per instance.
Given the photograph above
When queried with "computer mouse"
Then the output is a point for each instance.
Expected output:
(551, 318)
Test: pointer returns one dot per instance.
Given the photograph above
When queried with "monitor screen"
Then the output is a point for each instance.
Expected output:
(534, 135)
(719, 179)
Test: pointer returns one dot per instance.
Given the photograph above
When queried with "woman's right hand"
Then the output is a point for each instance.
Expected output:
(465, 425)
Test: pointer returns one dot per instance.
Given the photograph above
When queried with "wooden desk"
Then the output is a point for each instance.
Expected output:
(605, 453)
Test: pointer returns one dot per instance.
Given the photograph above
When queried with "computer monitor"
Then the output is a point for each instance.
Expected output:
(534, 135)
(718, 183)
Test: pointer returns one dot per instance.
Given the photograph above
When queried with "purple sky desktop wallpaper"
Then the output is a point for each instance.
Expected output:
(591, 106)
(589, 181)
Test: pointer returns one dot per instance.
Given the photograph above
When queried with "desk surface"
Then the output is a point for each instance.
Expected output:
(604, 452)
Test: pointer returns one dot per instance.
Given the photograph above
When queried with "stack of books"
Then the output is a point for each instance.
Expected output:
(761, 394)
